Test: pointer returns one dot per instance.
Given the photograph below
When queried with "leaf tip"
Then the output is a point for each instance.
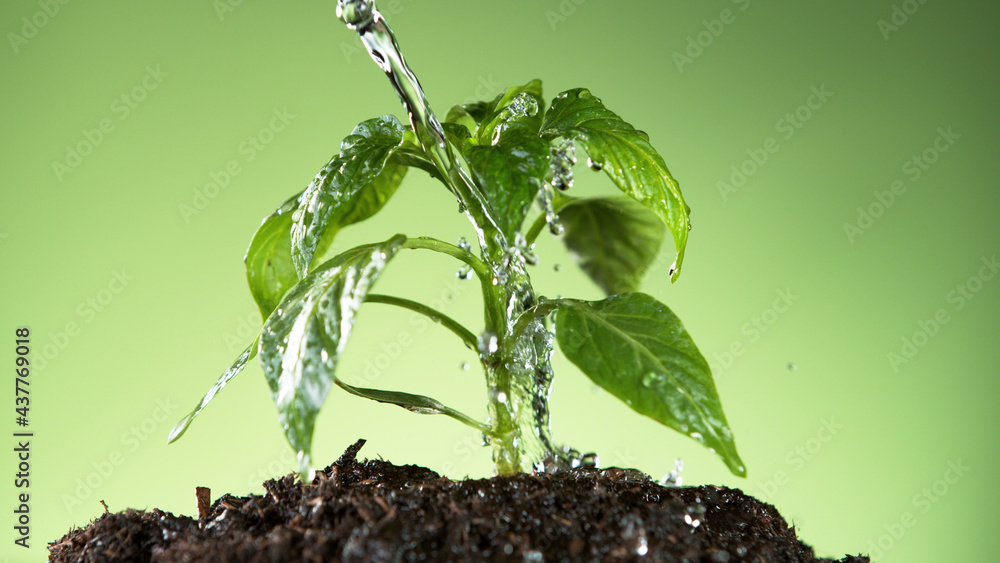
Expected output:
(178, 430)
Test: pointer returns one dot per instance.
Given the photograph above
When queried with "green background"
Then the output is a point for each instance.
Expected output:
(852, 447)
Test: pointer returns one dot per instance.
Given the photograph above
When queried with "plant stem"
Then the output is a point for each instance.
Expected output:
(433, 314)
(429, 243)
(506, 287)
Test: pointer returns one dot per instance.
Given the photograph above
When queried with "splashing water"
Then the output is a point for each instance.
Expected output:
(563, 159)
(674, 479)
(523, 105)
(528, 359)
(545, 200)
(487, 343)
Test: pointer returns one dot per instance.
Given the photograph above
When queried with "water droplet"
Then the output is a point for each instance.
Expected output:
(693, 522)
(464, 273)
(563, 159)
(532, 556)
(653, 380)
(421, 410)
(461, 207)
(590, 460)
(487, 343)
(792, 366)
(323, 355)
(497, 395)
(464, 366)
(522, 250)
(464, 244)
(595, 165)
(556, 267)
(674, 479)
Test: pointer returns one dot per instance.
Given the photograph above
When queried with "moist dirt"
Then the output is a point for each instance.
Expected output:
(375, 511)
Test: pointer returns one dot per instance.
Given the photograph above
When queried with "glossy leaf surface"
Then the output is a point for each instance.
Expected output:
(303, 339)
(234, 370)
(510, 174)
(637, 349)
(508, 160)
(351, 187)
(625, 155)
(268, 260)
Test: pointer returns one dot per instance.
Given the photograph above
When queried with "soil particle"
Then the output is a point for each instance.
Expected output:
(375, 511)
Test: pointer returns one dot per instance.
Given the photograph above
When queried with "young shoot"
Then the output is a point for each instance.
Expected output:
(497, 157)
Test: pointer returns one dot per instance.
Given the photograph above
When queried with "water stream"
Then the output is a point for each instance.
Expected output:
(520, 370)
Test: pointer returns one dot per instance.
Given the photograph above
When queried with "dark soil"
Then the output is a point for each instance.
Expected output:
(376, 511)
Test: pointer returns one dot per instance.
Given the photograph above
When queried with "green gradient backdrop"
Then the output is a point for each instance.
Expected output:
(142, 356)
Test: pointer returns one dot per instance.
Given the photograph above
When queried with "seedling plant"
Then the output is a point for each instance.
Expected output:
(498, 158)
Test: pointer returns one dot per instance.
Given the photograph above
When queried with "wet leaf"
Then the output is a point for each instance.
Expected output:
(413, 403)
(613, 239)
(351, 187)
(624, 153)
(520, 108)
(507, 159)
(303, 339)
(510, 174)
(268, 260)
(238, 365)
(637, 349)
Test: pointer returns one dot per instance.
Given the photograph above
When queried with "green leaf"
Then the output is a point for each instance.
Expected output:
(228, 375)
(510, 174)
(351, 187)
(413, 403)
(520, 107)
(637, 349)
(508, 160)
(613, 239)
(302, 341)
(270, 272)
(625, 155)
(472, 114)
